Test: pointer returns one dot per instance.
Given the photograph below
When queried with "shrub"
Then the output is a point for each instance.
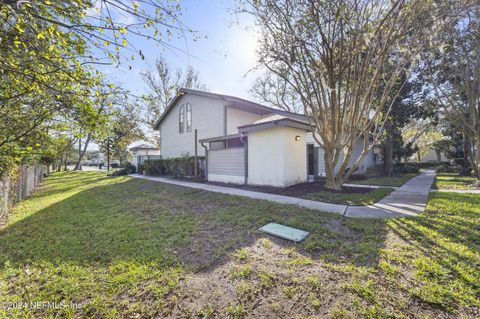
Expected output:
(448, 169)
(128, 169)
(405, 169)
(358, 177)
(178, 166)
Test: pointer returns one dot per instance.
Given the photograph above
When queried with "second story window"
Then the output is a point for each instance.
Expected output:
(189, 117)
(181, 119)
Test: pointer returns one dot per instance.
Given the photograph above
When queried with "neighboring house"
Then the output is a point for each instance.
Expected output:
(243, 142)
(431, 155)
(97, 157)
(143, 153)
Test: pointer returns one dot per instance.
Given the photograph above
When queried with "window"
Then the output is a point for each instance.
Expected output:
(234, 142)
(181, 119)
(189, 117)
(217, 145)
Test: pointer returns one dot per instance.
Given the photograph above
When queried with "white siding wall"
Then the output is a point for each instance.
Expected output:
(207, 118)
(236, 118)
(226, 166)
(275, 158)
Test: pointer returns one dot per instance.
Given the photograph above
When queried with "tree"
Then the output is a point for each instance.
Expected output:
(455, 75)
(46, 49)
(411, 110)
(334, 55)
(104, 98)
(124, 129)
(276, 92)
(164, 83)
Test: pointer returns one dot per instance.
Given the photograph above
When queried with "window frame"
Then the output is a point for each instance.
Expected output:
(181, 119)
(188, 117)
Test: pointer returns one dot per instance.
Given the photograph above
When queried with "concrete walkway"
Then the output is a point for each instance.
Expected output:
(407, 200)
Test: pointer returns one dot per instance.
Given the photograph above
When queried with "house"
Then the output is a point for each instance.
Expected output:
(143, 152)
(96, 157)
(243, 142)
(431, 155)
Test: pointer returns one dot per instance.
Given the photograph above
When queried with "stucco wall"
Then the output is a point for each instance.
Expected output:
(275, 158)
(236, 118)
(207, 118)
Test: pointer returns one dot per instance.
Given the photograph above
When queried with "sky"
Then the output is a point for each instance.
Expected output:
(224, 55)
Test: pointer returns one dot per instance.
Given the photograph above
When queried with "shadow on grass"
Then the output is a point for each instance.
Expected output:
(146, 221)
(445, 242)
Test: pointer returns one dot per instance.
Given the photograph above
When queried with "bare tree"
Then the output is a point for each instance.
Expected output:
(456, 77)
(276, 92)
(164, 83)
(334, 55)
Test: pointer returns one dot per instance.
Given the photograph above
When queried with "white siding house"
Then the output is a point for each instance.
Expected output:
(243, 142)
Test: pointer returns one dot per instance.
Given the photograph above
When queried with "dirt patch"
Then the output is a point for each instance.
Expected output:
(337, 226)
(263, 280)
(297, 190)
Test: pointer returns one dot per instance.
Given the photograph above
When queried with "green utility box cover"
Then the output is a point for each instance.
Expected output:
(285, 232)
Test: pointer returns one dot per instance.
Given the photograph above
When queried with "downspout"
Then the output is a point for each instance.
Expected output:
(206, 160)
(245, 157)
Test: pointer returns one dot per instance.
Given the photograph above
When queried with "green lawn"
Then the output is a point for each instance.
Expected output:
(351, 199)
(395, 181)
(129, 248)
(453, 181)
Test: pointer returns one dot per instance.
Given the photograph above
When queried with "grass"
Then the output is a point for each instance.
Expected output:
(350, 198)
(395, 181)
(453, 181)
(125, 248)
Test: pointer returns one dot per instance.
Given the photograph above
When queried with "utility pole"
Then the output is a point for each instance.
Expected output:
(108, 155)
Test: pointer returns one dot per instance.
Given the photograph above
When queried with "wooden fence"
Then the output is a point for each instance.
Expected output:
(18, 185)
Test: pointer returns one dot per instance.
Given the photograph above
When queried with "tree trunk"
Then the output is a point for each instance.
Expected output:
(439, 155)
(78, 166)
(388, 156)
(476, 156)
(466, 170)
(331, 181)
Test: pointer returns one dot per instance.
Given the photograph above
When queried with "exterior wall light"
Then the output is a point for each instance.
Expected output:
(297, 138)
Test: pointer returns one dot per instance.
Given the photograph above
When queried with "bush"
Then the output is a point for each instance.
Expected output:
(178, 166)
(426, 164)
(448, 169)
(358, 177)
(128, 169)
(405, 169)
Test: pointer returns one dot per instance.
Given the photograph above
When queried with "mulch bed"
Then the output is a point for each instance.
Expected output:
(296, 190)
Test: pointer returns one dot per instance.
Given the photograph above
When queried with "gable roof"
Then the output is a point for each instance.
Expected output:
(143, 147)
(234, 102)
(273, 121)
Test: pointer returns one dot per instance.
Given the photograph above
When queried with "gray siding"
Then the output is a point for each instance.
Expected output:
(207, 118)
(226, 162)
(367, 162)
